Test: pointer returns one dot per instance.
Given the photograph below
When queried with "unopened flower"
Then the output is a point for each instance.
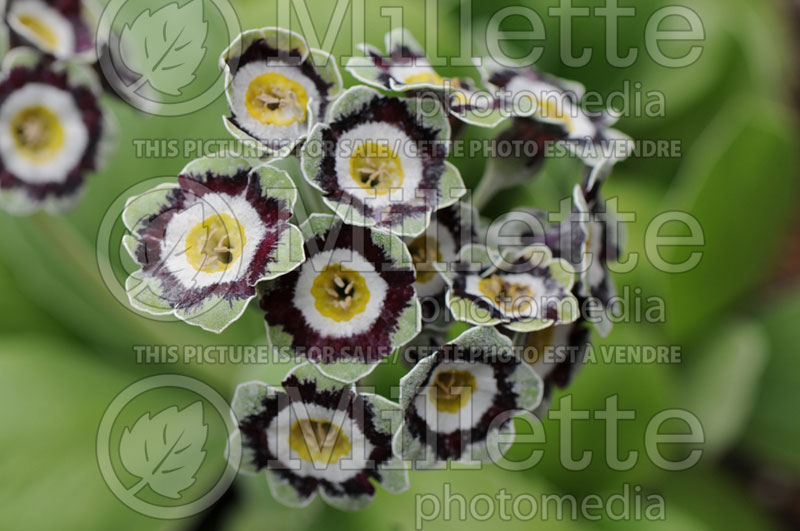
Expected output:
(204, 243)
(277, 88)
(527, 291)
(380, 161)
(63, 29)
(54, 132)
(350, 305)
(459, 402)
(405, 68)
(317, 436)
(531, 95)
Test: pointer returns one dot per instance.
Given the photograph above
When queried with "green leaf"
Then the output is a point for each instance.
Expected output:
(722, 384)
(165, 451)
(772, 435)
(166, 47)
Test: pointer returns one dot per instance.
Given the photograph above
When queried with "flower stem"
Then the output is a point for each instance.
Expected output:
(487, 188)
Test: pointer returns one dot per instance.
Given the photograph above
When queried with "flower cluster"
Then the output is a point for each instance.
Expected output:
(383, 254)
(54, 128)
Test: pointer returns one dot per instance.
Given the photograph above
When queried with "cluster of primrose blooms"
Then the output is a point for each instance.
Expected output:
(393, 251)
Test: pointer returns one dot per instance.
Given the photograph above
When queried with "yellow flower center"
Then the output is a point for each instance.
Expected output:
(275, 99)
(215, 243)
(424, 252)
(508, 296)
(375, 166)
(424, 77)
(340, 293)
(451, 390)
(538, 342)
(42, 31)
(551, 110)
(37, 133)
(318, 441)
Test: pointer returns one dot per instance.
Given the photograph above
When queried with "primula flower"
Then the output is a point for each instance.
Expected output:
(458, 403)
(205, 242)
(527, 291)
(350, 305)
(54, 132)
(529, 94)
(315, 435)
(583, 239)
(380, 161)
(405, 68)
(64, 28)
(277, 88)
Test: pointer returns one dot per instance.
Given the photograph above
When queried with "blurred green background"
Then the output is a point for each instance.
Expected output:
(66, 344)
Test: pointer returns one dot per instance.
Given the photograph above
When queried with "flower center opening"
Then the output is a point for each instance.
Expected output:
(275, 99)
(41, 30)
(508, 296)
(340, 293)
(318, 441)
(451, 390)
(215, 243)
(424, 77)
(37, 133)
(538, 342)
(424, 252)
(376, 167)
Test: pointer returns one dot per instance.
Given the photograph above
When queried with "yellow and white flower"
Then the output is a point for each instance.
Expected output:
(380, 161)
(318, 436)
(277, 88)
(54, 131)
(350, 305)
(204, 243)
(458, 402)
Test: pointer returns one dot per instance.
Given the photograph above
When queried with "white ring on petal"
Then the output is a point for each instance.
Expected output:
(50, 18)
(406, 150)
(343, 469)
(306, 303)
(580, 125)
(412, 67)
(76, 136)
(271, 132)
(173, 246)
(466, 418)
